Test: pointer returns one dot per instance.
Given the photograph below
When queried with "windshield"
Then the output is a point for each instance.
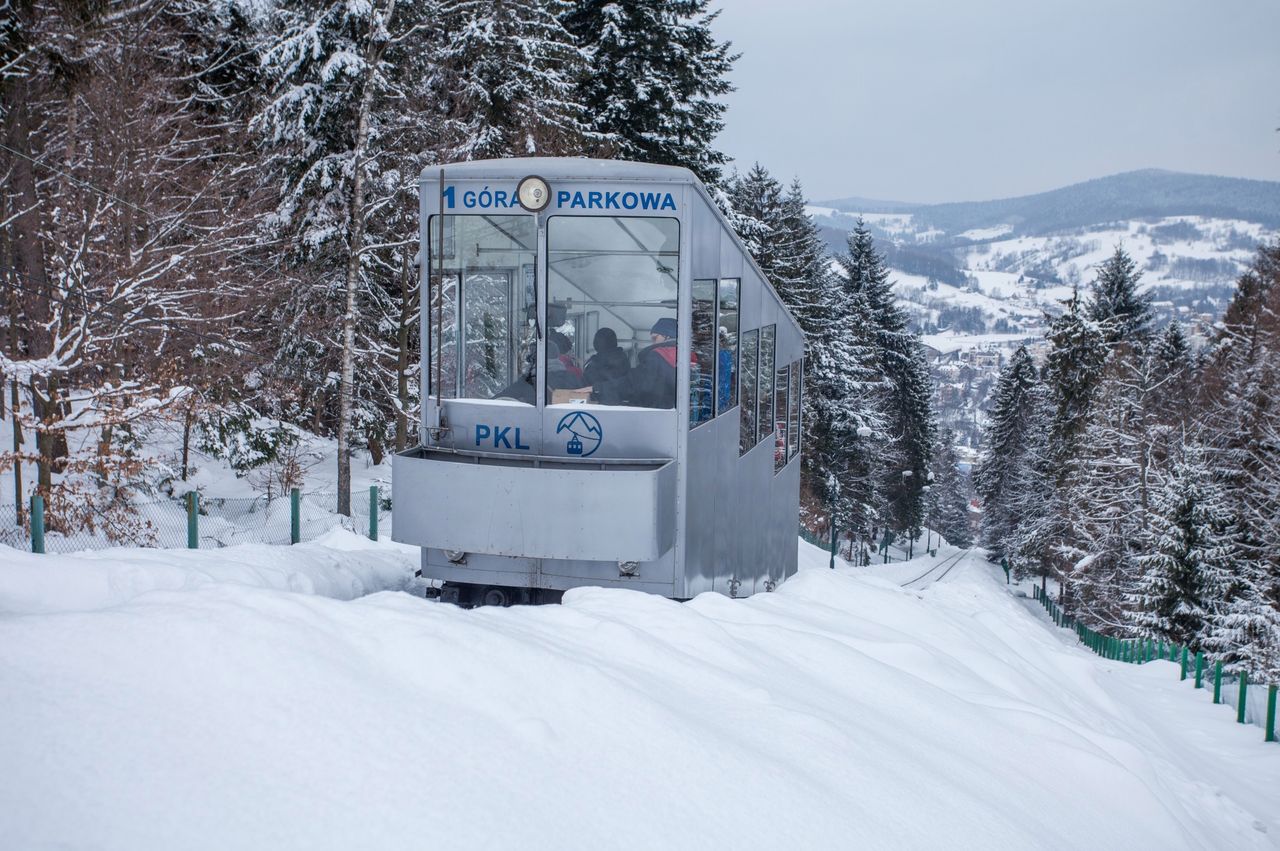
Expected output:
(489, 262)
(613, 284)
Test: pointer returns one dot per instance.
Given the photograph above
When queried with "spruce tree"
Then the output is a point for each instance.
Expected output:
(507, 80)
(1105, 493)
(803, 270)
(1187, 574)
(904, 460)
(756, 212)
(1072, 371)
(1116, 305)
(1005, 441)
(947, 499)
(655, 77)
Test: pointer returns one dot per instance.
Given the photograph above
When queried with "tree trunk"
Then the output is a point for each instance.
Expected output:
(402, 356)
(186, 440)
(355, 236)
(17, 453)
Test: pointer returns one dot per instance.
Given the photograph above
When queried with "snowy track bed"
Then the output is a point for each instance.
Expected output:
(841, 711)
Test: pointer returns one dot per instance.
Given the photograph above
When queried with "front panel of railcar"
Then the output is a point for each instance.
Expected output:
(548, 459)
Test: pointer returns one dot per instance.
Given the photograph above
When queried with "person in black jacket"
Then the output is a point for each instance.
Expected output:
(609, 361)
(652, 384)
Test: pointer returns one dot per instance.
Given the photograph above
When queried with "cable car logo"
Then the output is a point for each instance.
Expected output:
(585, 433)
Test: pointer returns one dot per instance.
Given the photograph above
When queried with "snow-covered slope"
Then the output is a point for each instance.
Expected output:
(841, 711)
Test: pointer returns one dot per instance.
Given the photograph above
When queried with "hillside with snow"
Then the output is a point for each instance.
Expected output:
(980, 277)
(309, 697)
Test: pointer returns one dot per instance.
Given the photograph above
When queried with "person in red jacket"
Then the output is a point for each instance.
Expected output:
(652, 383)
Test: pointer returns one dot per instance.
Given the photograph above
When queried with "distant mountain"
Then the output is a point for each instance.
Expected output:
(1135, 195)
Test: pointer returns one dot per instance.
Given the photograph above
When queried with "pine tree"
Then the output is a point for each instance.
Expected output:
(1072, 371)
(507, 77)
(332, 67)
(756, 212)
(909, 390)
(1032, 496)
(655, 74)
(1188, 572)
(1105, 494)
(948, 502)
(803, 269)
(1116, 305)
(1005, 441)
(1238, 388)
(845, 421)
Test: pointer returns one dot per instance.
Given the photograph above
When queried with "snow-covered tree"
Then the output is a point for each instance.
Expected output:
(904, 459)
(803, 270)
(1116, 305)
(948, 501)
(128, 222)
(756, 212)
(506, 80)
(1072, 371)
(1005, 441)
(1194, 558)
(655, 78)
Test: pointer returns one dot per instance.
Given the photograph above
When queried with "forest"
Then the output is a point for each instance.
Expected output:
(1141, 472)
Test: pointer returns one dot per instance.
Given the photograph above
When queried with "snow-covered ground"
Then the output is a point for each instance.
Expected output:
(240, 698)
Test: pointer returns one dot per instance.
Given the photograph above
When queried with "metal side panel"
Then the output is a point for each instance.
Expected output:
(534, 507)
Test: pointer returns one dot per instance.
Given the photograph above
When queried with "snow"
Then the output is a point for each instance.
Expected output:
(951, 341)
(979, 234)
(210, 706)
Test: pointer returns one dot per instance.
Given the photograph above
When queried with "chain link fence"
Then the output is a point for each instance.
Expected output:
(218, 522)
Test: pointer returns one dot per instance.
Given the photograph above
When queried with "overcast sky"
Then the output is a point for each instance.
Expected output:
(948, 101)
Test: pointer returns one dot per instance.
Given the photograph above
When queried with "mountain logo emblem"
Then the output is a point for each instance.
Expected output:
(584, 433)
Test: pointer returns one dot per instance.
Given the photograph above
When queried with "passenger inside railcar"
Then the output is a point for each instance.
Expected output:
(573, 371)
(618, 279)
(609, 362)
(652, 383)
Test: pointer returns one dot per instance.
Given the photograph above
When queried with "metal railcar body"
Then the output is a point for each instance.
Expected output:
(546, 461)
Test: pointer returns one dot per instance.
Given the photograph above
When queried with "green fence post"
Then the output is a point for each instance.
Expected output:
(193, 522)
(373, 512)
(1182, 675)
(295, 515)
(1271, 714)
(37, 524)
(1199, 670)
(832, 565)
(1244, 686)
(1217, 682)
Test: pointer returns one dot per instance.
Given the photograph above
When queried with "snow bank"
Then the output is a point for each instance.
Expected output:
(340, 565)
(839, 712)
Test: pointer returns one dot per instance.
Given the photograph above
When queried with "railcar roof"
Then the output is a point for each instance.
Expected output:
(562, 168)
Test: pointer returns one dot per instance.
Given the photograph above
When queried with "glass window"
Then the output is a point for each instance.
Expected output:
(618, 275)
(750, 349)
(764, 426)
(488, 291)
(781, 386)
(793, 417)
(702, 378)
(727, 345)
